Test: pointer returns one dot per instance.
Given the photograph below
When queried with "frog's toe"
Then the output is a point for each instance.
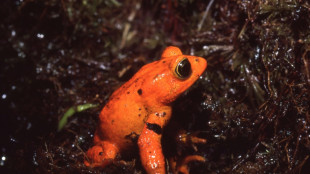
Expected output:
(183, 167)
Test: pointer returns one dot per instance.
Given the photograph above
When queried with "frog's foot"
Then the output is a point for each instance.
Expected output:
(190, 139)
(101, 155)
(183, 167)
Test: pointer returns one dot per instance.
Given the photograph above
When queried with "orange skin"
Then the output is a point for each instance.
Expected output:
(140, 109)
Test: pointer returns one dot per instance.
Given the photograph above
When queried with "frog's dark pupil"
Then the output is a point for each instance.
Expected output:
(183, 69)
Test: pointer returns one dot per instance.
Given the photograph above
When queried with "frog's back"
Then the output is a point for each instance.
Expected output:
(122, 118)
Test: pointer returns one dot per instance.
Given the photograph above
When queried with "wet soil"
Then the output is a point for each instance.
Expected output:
(251, 104)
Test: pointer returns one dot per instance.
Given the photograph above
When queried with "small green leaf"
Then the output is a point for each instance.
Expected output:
(71, 111)
(83, 107)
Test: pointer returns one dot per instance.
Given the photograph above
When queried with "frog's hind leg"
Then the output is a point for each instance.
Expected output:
(101, 155)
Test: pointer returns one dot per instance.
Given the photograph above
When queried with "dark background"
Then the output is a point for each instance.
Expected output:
(252, 103)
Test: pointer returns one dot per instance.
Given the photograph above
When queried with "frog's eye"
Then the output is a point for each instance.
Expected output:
(183, 69)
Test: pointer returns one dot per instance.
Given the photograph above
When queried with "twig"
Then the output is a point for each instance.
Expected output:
(205, 15)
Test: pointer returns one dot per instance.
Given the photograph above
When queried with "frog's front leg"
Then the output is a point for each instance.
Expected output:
(149, 142)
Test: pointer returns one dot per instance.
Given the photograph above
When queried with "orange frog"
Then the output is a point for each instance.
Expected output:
(141, 108)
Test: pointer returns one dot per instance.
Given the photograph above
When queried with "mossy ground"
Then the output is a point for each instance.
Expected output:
(252, 104)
